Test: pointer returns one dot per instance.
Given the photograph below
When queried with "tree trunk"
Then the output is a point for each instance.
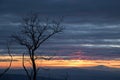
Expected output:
(34, 69)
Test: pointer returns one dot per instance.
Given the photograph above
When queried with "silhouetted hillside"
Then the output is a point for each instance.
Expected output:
(69, 73)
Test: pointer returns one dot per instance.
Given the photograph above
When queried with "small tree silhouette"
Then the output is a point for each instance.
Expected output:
(66, 76)
(11, 59)
(32, 34)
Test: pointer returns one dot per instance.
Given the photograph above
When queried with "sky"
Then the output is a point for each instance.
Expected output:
(92, 27)
(59, 63)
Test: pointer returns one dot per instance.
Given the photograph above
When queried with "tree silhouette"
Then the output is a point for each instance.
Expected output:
(11, 59)
(32, 34)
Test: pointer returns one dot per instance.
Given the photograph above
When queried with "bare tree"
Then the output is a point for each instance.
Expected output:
(32, 34)
(11, 59)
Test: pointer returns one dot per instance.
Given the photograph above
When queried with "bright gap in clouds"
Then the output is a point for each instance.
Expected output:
(100, 45)
(58, 63)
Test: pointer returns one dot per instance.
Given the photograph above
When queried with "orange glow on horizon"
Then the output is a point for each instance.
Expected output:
(17, 63)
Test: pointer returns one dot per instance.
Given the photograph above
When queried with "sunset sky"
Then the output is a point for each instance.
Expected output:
(58, 62)
(91, 36)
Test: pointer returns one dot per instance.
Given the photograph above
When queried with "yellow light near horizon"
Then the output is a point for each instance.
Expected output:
(17, 63)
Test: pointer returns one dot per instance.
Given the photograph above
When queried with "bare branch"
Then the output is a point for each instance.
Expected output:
(23, 63)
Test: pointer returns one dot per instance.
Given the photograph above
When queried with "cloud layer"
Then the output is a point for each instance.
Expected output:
(92, 26)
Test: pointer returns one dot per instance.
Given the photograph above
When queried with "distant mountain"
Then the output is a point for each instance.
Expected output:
(99, 67)
(103, 68)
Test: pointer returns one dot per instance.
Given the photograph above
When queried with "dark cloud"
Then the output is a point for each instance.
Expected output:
(7, 60)
(64, 7)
